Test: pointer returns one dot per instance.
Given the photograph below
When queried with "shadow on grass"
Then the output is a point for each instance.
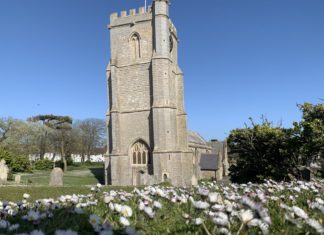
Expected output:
(98, 173)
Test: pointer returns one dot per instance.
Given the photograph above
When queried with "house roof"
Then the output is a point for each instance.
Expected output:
(208, 161)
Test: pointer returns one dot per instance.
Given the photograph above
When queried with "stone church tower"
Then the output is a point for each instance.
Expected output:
(147, 124)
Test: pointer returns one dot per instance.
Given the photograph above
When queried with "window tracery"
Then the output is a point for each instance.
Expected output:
(140, 153)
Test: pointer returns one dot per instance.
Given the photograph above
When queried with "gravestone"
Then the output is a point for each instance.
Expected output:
(17, 179)
(4, 170)
(56, 177)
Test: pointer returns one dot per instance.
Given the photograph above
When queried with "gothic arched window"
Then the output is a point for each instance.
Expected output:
(140, 151)
(135, 45)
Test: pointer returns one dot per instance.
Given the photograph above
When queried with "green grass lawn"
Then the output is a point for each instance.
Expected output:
(77, 180)
(75, 176)
(70, 178)
(15, 193)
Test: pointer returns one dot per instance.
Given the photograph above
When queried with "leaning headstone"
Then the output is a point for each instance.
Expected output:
(17, 179)
(4, 170)
(56, 177)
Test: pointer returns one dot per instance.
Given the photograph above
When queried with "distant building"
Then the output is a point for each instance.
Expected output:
(221, 150)
(210, 166)
(211, 157)
(74, 157)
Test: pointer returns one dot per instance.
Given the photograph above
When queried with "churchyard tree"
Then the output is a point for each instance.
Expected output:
(5, 125)
(62, 126)
(263, 151)
(91, 136)
(267, 151)
(42, 134)
(16, 146)
(311, 134)
(311, 131)
(20, 138)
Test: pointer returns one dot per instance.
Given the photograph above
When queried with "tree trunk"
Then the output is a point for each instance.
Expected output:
(43, 144)
(53, 158)
(63, 155)
(65, 164)
(42, 153)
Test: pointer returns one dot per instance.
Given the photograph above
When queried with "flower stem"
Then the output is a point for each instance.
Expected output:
(240, 229)
(205, 228)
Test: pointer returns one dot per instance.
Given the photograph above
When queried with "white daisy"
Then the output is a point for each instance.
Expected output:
(124, 221)
(300, 212)
(149, 211)
(157, 204)
(94, 220)
(197, 221)
(126, 211)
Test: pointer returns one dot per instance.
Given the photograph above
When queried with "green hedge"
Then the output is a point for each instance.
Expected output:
(15, 163)
(4, 154)
(43, 164)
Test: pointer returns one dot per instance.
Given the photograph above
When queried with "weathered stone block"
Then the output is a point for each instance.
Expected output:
(4, 170)
(17, 179)
(56, 177)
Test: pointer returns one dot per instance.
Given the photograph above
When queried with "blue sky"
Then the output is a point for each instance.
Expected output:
(241, 58)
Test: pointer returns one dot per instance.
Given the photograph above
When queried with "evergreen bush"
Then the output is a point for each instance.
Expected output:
(15, 163)
(43, 164)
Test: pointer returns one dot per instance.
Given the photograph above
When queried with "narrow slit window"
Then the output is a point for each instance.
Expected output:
(136, 47)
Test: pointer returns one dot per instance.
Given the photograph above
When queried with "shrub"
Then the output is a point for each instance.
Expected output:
(10, 176)
(15, 163)
(43, 164)
(263, 151)
(4, 154)
(60, 163)
(20, 164)
(311, 131)
(69, 160)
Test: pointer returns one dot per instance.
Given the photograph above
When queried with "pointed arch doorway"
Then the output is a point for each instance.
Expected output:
(140, 159)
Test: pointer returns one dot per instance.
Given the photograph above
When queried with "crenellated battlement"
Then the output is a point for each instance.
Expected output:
(132, 12)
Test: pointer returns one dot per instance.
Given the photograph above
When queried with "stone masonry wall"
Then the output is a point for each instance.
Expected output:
(147, 104)
(134, 87)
